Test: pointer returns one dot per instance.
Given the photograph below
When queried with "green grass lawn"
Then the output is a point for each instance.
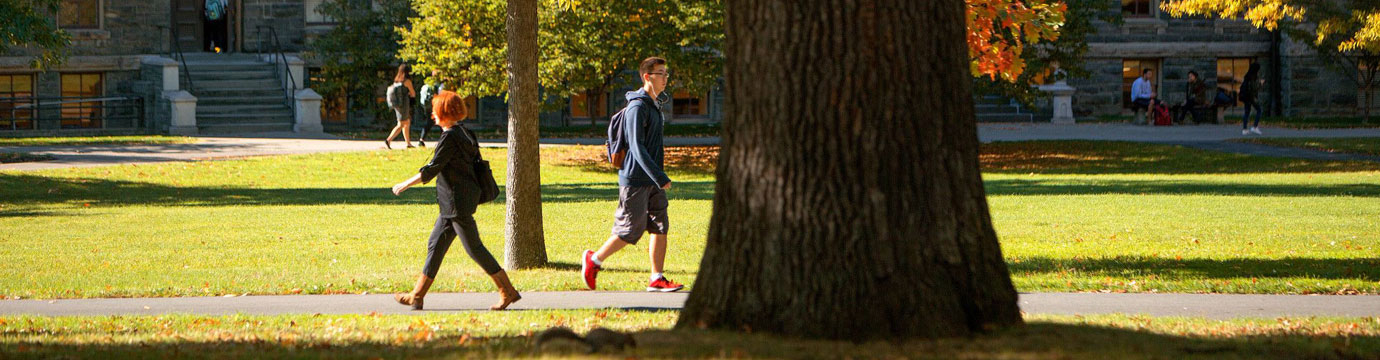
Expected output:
(1361, 146)
(510, 334)
(1072, 216)
(97, 140)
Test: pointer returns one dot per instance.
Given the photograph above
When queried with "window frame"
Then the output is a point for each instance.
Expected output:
(96, 117)
(1152, 10)
(1235, 85)
(308, 12)
(32, 113)
(703, 104)
(100, 17)
(577, 103)
(1126, 85)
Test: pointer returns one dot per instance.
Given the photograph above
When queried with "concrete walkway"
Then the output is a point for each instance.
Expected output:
(1214, 306)
(219, 148)
(1210, 137)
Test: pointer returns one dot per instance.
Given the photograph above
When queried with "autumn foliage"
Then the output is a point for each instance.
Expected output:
(1000, 31)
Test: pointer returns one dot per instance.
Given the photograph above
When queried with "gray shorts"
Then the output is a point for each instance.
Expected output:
(404, 112)
(638, 206)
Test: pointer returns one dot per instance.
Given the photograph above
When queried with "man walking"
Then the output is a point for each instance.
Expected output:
(433, 86)
(642, 183)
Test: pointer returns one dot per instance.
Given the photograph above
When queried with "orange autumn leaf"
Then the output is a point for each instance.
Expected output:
(999, 31)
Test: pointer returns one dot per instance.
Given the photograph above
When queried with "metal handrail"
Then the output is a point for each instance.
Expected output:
(35, 105)
(278, 48)
(175, 51)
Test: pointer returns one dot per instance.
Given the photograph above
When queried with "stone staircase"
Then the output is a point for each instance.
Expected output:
(993, 108)
(237, 93)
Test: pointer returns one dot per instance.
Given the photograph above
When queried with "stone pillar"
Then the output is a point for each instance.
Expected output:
(183, 112)
(1062, 100)
(170, 105)
(307, 112)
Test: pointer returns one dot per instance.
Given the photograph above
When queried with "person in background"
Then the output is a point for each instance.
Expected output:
(400, 96)
(1250, 98)
(433, 86)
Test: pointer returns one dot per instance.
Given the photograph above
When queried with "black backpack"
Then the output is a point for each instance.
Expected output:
(616, 145)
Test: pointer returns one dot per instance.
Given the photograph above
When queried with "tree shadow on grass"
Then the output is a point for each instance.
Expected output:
(1167, 187)
(23, 189)
(1362, 269)
(1119, 157)
(1034, 340)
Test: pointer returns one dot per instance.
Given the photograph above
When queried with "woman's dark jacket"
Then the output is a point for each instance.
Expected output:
(452, 164)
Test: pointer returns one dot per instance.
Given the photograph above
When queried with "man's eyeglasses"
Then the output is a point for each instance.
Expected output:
(667, 75)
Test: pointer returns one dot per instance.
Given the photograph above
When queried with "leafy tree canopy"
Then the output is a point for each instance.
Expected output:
(1350, 24)
(29, 23)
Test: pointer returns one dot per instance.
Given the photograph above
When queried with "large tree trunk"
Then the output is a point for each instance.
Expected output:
(849, 203)
(525, 246)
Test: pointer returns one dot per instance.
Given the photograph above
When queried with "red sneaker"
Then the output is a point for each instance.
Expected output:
(663, 285)
(589, 270)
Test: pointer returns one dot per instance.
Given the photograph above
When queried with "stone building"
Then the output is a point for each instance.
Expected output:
(165, 66)
(153, 66)
(1220, 51)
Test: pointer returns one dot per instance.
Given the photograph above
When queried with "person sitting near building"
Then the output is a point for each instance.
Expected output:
(1195, 98)
(1143, 95)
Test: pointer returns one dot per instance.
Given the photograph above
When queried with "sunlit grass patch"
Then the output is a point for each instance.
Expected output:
(511, 334)
(1360, 146)
(96, 140)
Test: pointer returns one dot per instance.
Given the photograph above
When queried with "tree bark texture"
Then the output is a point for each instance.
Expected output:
(849, 203)
(525, 246)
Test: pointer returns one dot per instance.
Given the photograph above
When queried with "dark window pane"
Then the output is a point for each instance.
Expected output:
(79, 14)
(683, 103)
(83, 114)
(1136, 7)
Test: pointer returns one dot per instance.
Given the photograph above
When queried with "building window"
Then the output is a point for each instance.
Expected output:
(313, 15)
(79, 14)
(1231, 71)
(471, 107)
(81, 114)
(1131, 70)
(16, 91)
(1138, 8)
(687, 104)
(579, 107)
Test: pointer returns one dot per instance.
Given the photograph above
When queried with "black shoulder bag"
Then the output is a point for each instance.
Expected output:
(483, 175)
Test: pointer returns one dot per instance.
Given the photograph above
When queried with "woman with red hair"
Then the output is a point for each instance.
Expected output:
(457, 193)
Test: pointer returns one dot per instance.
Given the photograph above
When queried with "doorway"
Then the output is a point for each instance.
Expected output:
(202, 25)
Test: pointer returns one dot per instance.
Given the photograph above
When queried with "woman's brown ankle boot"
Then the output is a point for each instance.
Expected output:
(505, 290)
(414, 298)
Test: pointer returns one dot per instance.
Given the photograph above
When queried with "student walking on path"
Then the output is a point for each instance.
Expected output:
(457, 194)
(1250, 97)
(642, 183)
(429, 91)
(400, 96)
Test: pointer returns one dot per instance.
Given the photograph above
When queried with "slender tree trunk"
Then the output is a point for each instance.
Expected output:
(1365, 111)
(849, 204)
(1372, 67)
(590, 97)
(525, 246)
